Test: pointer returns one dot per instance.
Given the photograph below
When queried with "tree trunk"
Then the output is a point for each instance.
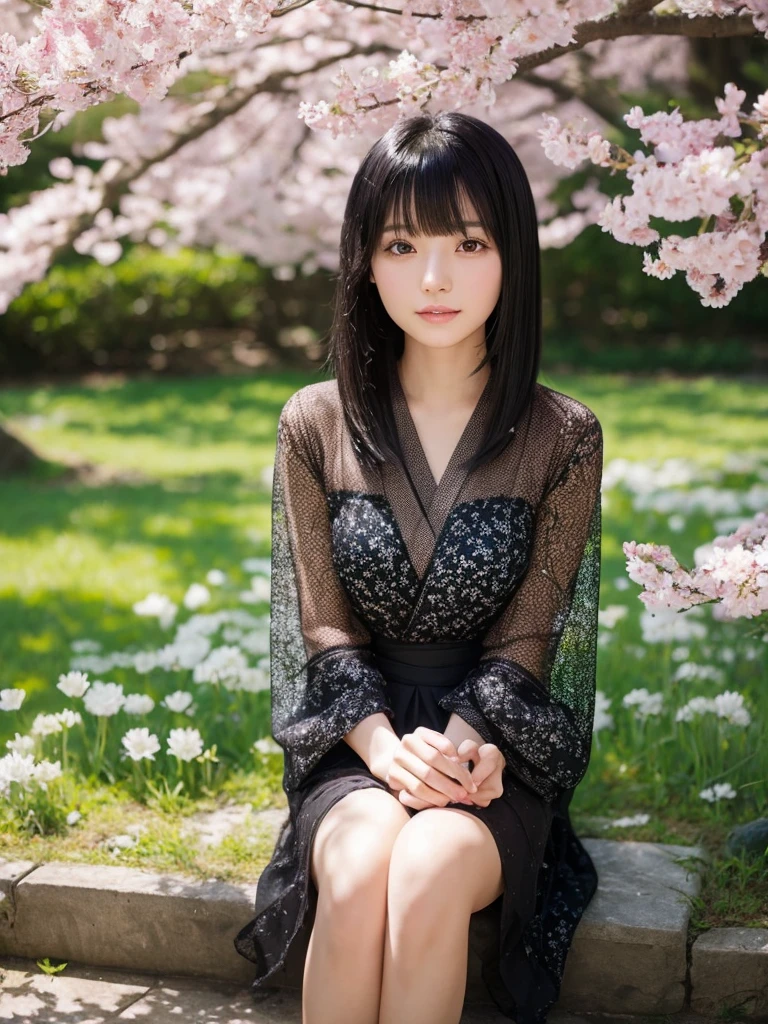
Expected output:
(15, 456)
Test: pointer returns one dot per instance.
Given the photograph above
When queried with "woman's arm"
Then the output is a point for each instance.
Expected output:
(533, 692)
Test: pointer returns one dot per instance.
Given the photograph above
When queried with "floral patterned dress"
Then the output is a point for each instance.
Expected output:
(475, 595)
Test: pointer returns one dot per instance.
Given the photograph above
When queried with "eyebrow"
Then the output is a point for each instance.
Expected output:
(402, 227)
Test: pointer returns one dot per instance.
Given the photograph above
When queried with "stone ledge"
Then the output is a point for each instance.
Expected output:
(729, 970)
(628, 953)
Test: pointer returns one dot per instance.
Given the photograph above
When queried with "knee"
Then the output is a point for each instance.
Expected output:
(427, 869)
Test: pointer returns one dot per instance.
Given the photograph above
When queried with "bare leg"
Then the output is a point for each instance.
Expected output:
(350, 865)
(425, 964)
(445, 865)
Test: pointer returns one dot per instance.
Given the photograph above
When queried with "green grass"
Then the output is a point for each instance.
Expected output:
(177, 489)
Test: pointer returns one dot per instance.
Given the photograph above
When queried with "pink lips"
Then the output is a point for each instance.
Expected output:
(440, 318)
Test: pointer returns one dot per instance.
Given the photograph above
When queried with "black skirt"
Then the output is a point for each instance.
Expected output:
(548, 876)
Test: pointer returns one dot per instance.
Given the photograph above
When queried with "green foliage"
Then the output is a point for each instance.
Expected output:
(83, 314)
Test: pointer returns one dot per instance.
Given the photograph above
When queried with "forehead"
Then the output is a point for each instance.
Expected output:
(392, 222)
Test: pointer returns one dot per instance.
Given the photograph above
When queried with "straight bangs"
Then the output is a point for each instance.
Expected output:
(415, 177)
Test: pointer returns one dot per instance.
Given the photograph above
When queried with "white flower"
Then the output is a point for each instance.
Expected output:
(12, 699)
(621, 583)
(141, 743)
(178, 701)
(21, 744)
(695, 706)
(602, 719)
(260, 591)
(15, 767)
(68, 717)
(690, 670)
(86, 646)
(45, 725)
(73, 684)
(262, 565)
(720, 791)
(104, 699)
(610, 615)
(185, 743)
(216, 577)
(138, 704)
(145, 661)
(637, 819)
(73, 817)
(45, 772)
(253, 680)
(159, 606)
(730, 705)
(197, 595)
(680, 653)
(676, 522)
(267, 746)
(223, 665)
(647, 703)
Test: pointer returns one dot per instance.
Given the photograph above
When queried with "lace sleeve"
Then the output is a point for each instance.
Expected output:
(323, 679)
(533, 692)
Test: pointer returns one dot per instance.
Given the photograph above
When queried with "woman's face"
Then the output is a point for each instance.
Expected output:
(462, 272)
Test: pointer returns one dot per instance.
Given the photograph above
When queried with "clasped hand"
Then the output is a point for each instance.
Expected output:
(427, 770)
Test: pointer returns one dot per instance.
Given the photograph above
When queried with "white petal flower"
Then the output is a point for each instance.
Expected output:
(68, 717)
(73, 684)
(138, 704)
(197, 595)
(21, 744)
(12, 698)
(140, 743)
(185, 744)
(178, 701)
(104, 699)
(45, 725)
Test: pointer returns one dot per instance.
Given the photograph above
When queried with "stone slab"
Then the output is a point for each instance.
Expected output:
(11, 871)
(729, 970)
(628, 953)
(87, 995)
(130, 918)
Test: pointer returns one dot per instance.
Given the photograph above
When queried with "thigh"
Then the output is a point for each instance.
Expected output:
(447, 849)
(354, 839)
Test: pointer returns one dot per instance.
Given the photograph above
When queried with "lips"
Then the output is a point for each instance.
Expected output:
(437, 309)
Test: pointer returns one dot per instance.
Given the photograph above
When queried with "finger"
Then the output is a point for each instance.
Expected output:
(435, 754)
(409, 800)
(424, 781)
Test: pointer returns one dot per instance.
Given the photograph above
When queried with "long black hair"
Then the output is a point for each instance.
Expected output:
(430, 161)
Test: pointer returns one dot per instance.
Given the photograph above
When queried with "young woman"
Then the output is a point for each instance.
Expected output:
(435, 586)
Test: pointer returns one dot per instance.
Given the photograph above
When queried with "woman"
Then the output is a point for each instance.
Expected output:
(435, 585)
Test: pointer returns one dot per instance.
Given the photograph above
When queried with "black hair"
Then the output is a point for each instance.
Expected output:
(430, 161)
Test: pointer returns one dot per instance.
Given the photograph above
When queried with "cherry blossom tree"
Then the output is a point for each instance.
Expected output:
(731, 573)
(252, 116)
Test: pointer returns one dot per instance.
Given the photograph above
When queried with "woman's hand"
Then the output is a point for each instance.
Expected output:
(426, 767)
(489, 763)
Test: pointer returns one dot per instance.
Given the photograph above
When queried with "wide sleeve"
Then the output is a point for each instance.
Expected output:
(533, 691)
(323, 679)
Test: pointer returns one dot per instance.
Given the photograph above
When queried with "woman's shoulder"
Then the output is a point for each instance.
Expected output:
(565, 412)
(312, 411)
(312, 400)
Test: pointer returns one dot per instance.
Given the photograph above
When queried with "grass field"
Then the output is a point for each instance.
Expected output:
(177, 486)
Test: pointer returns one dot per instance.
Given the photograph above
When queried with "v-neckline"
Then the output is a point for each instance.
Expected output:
(435, 498)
